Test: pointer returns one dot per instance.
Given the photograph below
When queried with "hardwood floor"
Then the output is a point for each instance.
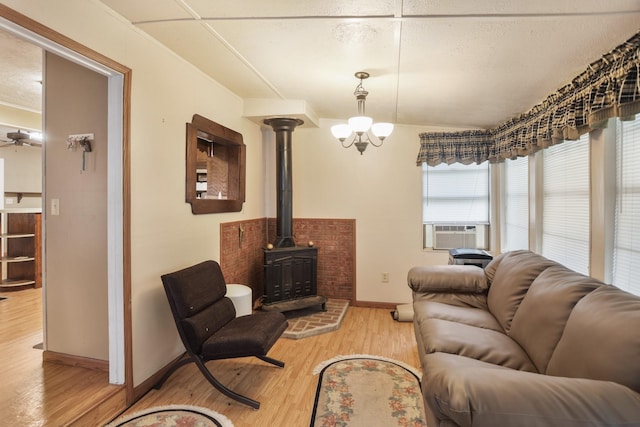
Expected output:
(33, 393)
(36, 394)
(287, 395)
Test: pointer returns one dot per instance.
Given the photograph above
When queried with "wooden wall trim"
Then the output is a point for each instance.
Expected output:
(144, 387)
(49, 356)
(50, 34)
(373, 304)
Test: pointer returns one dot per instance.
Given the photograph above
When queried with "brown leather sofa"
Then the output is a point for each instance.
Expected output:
(525, 342)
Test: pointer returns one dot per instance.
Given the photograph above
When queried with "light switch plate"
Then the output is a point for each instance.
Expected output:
(55, 206)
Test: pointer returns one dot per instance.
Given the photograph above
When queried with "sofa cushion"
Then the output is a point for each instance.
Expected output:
(488, 345)
(467, 315)
(539, 321)
(601, 339)
(515, 273)
(474, 393)
(490, 269)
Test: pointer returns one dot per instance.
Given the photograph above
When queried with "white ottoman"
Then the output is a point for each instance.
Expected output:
(240, 296)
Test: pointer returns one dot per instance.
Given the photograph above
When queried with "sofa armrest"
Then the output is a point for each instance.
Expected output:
(470, 392)
(447, 279)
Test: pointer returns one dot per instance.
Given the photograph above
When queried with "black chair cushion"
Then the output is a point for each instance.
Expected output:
(199, 327)
(245, 336)
(194, 288)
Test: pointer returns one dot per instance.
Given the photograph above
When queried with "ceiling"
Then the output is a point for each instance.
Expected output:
(444, 63)
(20, 78)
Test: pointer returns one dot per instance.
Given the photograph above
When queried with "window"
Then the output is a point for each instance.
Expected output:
(566, 204)
(455, 206)
(626, 253)
(516, 205)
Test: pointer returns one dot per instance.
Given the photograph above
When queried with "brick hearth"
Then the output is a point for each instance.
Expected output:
(316, 322)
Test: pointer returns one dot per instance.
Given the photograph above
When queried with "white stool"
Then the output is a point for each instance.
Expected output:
(240, 296)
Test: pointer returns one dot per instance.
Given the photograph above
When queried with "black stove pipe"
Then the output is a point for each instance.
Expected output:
(283, 127)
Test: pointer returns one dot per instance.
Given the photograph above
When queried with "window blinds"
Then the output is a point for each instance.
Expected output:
(516, 204)
(455, 193)
(565, 217)
(626, 254)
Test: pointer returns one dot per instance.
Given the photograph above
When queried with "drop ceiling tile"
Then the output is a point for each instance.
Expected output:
(144, 10)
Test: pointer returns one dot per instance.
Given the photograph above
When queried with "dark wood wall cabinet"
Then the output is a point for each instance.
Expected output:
(216, 167)
(21, 250)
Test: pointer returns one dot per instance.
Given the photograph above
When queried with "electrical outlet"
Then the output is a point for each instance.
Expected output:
(385, 277)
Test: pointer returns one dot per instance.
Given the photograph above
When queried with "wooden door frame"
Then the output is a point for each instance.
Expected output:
(54, 37)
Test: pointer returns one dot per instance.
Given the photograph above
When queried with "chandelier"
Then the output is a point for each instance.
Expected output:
(357, 129)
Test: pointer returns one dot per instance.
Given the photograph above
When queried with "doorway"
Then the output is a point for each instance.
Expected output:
(116, 192)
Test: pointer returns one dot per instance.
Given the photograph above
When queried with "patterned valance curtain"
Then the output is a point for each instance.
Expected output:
(609, 87)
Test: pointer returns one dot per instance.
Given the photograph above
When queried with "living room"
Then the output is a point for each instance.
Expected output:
(381, 189)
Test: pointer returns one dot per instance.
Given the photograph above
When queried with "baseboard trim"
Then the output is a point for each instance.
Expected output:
(142, 388)
(79, 361)
(373, 304)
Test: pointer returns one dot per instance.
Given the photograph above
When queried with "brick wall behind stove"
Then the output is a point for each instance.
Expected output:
(242, 260)
(242, 257)
(336, 243)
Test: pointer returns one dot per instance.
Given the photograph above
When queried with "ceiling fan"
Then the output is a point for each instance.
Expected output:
(20, 138)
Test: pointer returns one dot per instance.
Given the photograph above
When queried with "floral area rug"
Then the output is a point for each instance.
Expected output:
(173, 416)
(367, 391)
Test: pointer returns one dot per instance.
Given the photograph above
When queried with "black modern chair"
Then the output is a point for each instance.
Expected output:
(208, 326)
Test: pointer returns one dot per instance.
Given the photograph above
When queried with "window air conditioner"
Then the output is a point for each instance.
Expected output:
(454, 236)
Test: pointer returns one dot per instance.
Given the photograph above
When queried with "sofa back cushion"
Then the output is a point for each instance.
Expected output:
(541, 318)
(511, 279)
(601, 339)
(490, 269)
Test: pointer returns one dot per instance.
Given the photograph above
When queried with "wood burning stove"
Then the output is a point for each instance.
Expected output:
(290, 271)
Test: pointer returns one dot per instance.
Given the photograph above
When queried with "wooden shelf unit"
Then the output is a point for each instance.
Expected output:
(21, 246)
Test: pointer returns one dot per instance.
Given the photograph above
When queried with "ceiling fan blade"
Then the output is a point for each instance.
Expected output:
(32, 143)
(6, 145)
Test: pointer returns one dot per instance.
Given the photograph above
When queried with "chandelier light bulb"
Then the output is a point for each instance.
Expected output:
(341, 132)
(360, 124)
(382, 130)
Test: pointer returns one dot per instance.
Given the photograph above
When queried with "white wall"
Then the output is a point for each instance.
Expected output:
(23, 172)
(23, 165)
(380, 189)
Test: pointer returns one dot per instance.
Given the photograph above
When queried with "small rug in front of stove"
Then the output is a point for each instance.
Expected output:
(364, 390)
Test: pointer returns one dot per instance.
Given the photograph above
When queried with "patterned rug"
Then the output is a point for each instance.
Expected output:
(173, 416)
(367, 391)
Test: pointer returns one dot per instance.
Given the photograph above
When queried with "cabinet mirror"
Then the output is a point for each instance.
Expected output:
(215, 165)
